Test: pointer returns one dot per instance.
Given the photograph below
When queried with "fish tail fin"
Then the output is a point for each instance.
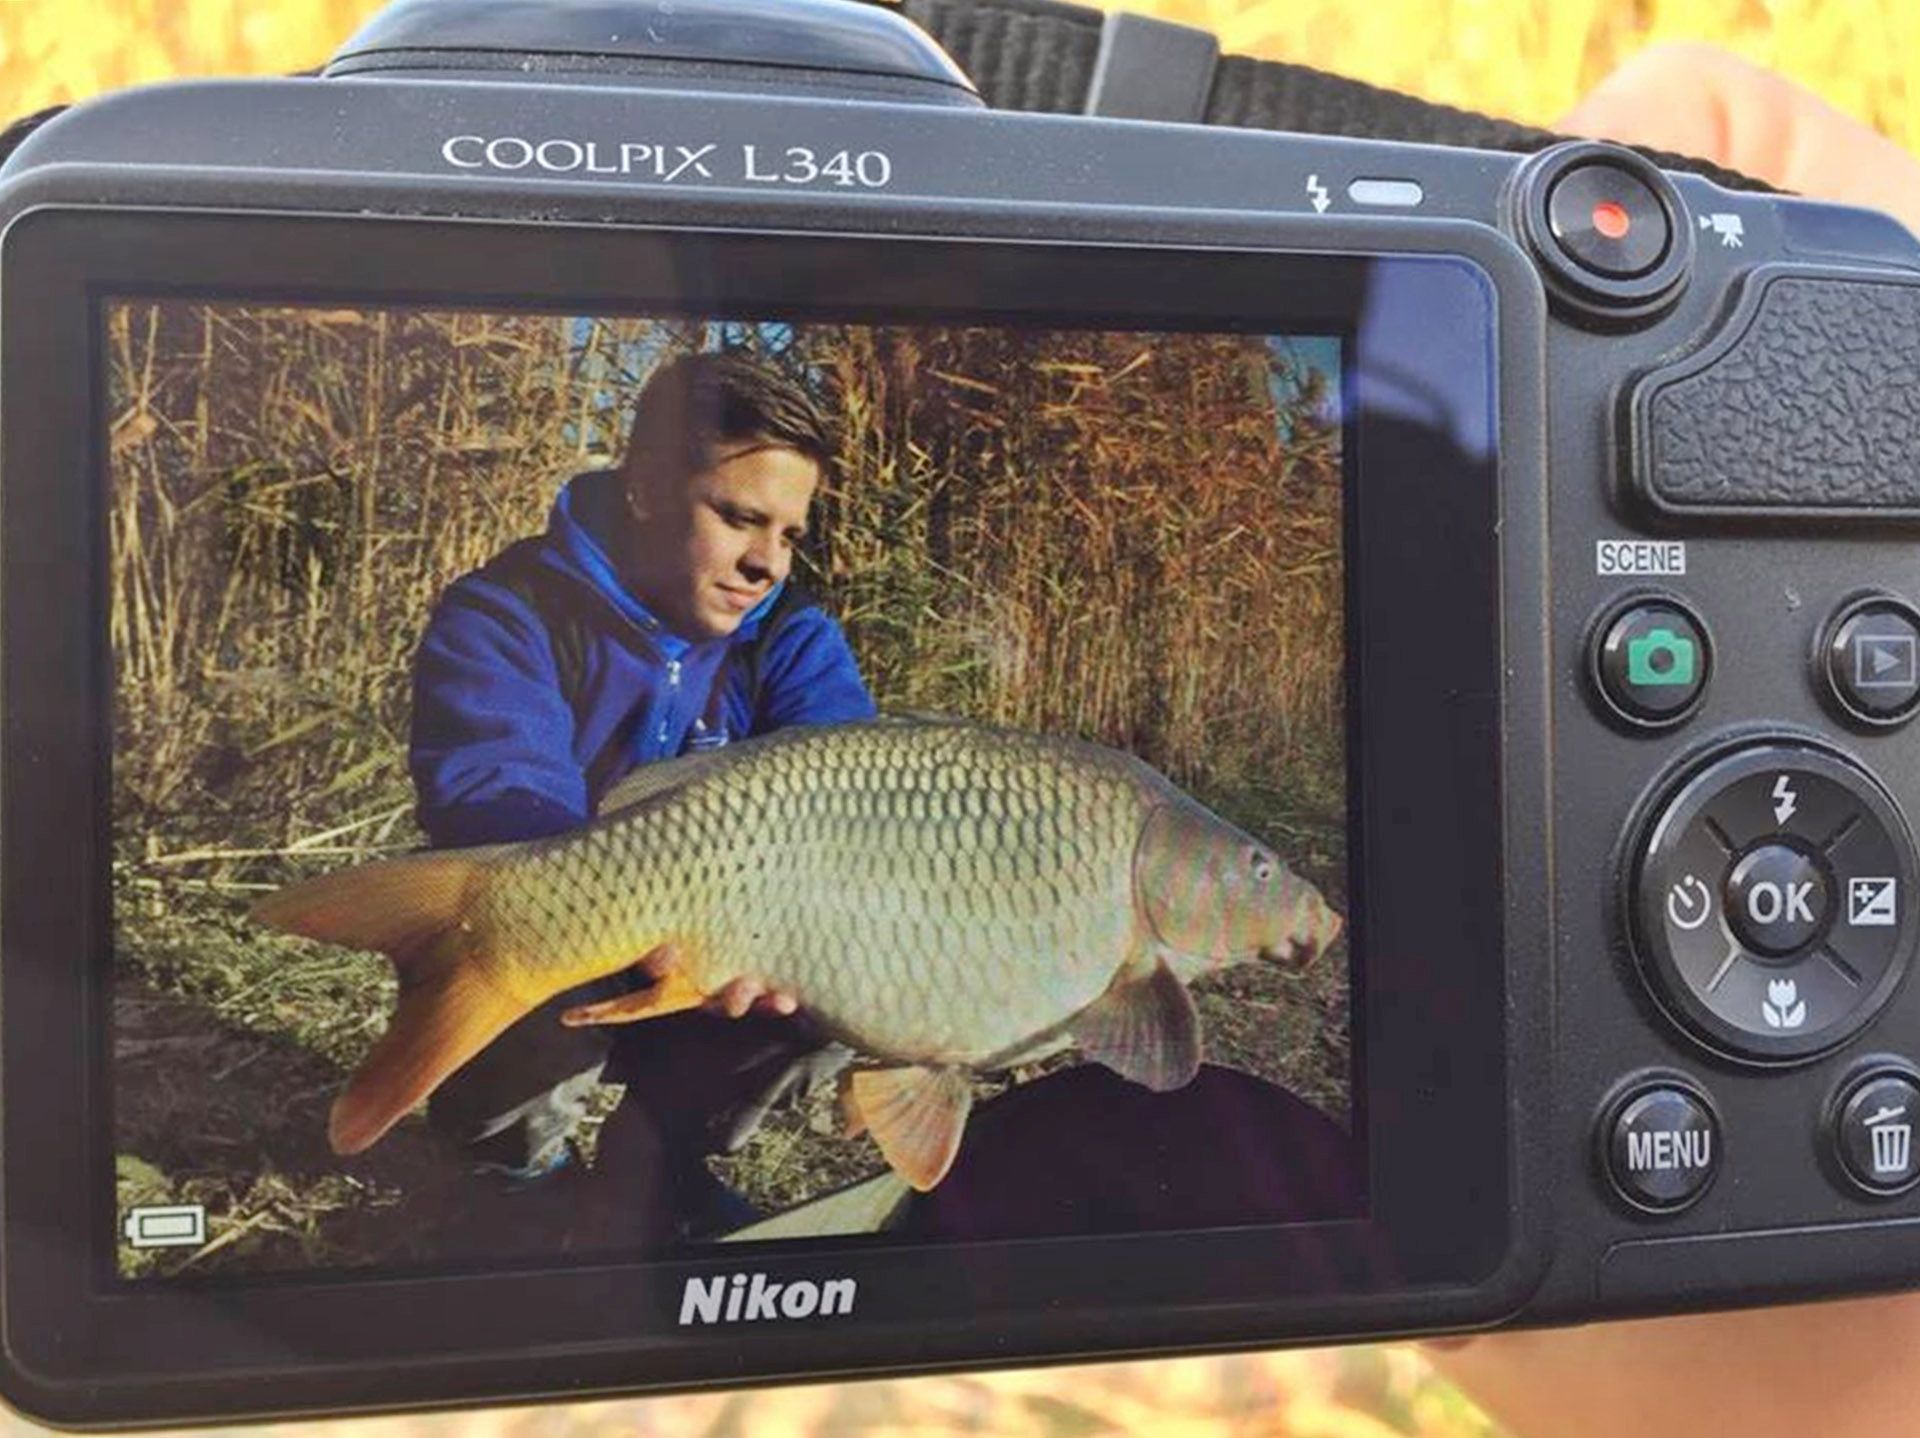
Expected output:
(415, 910)
(915, 1114)
(445, 1017)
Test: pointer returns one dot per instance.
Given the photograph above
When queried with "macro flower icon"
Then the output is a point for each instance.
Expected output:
(1785, 1008)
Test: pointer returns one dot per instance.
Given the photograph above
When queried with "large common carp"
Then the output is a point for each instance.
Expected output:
(940, 896)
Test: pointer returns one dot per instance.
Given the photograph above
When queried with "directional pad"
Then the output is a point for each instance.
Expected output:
(1772, 901)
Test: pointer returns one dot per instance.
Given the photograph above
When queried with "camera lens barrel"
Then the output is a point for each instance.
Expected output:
(797, 45)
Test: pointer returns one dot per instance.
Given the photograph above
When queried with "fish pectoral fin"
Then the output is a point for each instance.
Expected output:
(670, 993)
(1144, 1029)
(915, 1114)
(444, 1018)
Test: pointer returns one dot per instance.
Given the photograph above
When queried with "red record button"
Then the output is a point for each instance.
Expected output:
(1609, 221)
(1612, 220)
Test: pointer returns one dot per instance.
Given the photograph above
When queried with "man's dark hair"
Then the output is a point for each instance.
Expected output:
(696, 401)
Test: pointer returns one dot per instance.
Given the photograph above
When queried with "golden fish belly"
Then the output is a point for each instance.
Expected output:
(927, 893)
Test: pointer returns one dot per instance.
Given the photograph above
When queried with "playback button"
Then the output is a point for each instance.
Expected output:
(1872, 661)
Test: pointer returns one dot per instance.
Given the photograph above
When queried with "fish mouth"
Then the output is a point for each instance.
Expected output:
(1303, 949)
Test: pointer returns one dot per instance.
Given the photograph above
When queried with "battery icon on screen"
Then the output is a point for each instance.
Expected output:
(177, 1226)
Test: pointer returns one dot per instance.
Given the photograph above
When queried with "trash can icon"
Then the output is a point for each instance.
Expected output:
(1892, 1142)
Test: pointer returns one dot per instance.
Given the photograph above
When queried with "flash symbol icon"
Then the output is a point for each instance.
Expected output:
(1789, 801)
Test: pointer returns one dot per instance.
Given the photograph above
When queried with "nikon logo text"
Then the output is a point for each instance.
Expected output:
(749, 1297)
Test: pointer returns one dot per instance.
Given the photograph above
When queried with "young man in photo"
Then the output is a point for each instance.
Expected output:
(655, 617)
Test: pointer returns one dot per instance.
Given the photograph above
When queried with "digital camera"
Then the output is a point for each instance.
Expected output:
(683, 709)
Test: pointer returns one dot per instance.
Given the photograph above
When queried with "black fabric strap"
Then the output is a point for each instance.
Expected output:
(1039, 55)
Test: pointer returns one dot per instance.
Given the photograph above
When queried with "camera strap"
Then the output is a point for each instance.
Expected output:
(1069, 59)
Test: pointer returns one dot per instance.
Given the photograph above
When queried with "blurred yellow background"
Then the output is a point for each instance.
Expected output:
(1527, 59)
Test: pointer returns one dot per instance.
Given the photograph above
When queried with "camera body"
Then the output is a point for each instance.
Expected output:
(1630, 651)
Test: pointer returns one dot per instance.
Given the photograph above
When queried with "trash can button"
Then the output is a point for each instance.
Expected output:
(1874, 1132)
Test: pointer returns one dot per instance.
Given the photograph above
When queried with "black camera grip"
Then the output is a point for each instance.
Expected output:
(1808, 403)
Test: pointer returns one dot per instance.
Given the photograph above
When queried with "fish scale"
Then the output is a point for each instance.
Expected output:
(847, 881)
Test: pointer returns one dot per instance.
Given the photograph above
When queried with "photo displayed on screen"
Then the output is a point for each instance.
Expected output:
(608, 785)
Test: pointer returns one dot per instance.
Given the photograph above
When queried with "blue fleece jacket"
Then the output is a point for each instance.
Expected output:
(500, 750)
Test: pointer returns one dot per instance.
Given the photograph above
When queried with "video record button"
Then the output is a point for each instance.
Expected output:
(1608, 220)
(1652, 662)
(1874, 1132)
(1662, 1146)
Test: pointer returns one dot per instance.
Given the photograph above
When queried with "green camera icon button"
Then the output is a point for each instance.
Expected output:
(1651, 662)
(1660, 658)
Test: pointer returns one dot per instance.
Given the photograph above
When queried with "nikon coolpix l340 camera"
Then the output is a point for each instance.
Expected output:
(694, 695)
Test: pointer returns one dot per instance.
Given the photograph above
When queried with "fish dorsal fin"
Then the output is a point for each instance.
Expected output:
(916, 1115)
(1144, 1028)
(658, 777)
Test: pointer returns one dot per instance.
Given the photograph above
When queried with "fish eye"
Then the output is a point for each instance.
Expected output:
(1262, 866)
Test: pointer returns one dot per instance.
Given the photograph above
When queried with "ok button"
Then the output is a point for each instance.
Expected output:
(1777, 900)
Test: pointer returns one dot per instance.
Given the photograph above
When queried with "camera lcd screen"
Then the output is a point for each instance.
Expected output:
(402, 623)
(612, 784)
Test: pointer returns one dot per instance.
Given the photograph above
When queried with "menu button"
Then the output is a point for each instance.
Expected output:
(1661, 1147)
